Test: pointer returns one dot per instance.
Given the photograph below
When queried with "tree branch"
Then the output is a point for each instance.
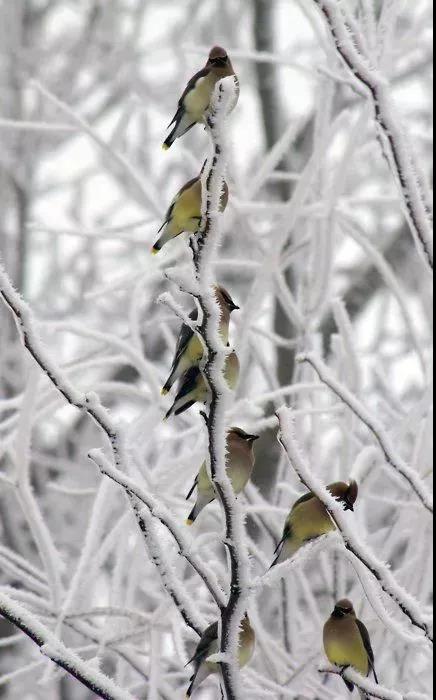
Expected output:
(369, 688)
(204, 249)
(406, 602)
(400, 154)
(375, 427)
(51, 647)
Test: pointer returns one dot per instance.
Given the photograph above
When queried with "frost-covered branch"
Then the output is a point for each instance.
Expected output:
(388, 582)
(204, 247)
(174, 587)
(375, 427)
(399, 147)
(53, 649)
(161, 513)
(373, 690)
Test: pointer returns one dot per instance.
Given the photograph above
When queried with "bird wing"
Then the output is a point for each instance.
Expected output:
(190, 86)
(194, 486)
(185, 336)
(202, 651)
(169, 214)
(188, 382)
(287, 532)
(367, 644)
(304, 499)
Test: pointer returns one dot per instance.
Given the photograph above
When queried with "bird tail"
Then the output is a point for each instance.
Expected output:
(194, 486)
(278, 552)
(350, 686)
(202, 502)
(192, 517)
(162, 240)
(183, 124)
(168, 385)
(178, 408)
(169, 413)
(191, 687)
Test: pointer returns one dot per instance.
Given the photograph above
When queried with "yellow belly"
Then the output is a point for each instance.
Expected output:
(349, 650)
(307, 524)
(195, 350)
(188, 208)
(198, 100)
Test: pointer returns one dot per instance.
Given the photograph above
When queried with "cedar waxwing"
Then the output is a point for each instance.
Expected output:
(309, 519)
(189, 351)
(209, 645)
(347, 642)
(195, 101)
(193, 388)
(184, 213)
(240, 465)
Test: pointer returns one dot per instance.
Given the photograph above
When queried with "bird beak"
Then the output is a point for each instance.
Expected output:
(235, 307)
(349, 506)
(253, 438)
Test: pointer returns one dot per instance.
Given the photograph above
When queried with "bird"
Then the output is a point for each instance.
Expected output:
(347, 642)
(184, 213)
(209, 645)
(189, 350)
(193, 387)
(309, 519)
(240, 465)
(195, 101)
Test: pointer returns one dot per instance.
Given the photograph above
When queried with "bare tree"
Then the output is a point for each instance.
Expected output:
(326, 247)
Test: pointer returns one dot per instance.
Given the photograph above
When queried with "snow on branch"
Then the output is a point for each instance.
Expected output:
(52, 648)
(174, 587)
(90, 404)
(398, 146)
(375, 427)
(161, 513)
(205, 247)
(381, 571)
(370, 688)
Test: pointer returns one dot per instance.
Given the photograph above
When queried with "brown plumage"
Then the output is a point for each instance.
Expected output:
(347, 641)
(195, 101)
(240, 465)
(309, 519)
(209, 645)
(189, 350)
(184, 213)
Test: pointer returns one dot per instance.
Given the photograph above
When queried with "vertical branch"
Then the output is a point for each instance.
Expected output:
(204, 252)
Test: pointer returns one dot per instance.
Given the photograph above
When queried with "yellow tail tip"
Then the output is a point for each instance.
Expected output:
(165, 147)
(189, 522)
(164, 392)
(154, 251)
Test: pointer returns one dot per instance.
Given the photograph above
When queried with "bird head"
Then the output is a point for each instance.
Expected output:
(345, 493)
(240, 434)
(225, 300)
(218, 57)
(344, 608)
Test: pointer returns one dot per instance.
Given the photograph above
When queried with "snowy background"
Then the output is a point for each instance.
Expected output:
(318, 253)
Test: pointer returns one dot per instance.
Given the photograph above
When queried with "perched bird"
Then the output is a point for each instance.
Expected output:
(195, 101)
(240, 465)
(189, 350)
(347, 642)
(309, 519)
(184, 213)
(209, 645)
(193, 387)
